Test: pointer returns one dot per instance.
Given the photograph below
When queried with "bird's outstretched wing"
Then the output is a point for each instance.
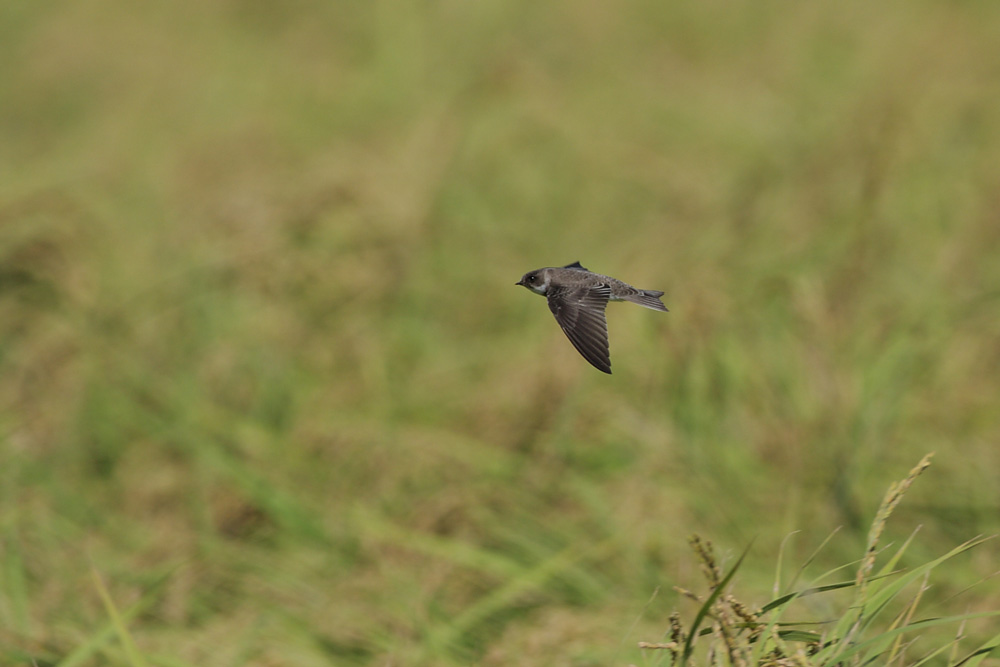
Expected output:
(580, 313)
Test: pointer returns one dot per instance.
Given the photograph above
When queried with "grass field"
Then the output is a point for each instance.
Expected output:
(268, 393)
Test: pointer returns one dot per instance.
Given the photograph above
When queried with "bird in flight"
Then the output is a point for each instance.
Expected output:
(578, 297)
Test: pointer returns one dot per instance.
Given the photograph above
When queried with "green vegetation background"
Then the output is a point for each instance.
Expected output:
(264, 369)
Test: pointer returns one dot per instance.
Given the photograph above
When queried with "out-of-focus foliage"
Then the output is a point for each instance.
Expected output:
(264, 369)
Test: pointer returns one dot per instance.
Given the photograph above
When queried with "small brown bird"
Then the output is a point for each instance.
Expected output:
(578, 297)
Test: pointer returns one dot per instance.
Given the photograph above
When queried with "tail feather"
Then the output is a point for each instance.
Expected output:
(648, 298)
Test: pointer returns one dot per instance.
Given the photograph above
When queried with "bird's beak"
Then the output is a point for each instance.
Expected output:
(519, 282)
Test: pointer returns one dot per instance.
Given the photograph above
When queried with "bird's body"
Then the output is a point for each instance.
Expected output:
(577, 297)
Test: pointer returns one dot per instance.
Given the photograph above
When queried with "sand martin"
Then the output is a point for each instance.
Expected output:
(578, 298)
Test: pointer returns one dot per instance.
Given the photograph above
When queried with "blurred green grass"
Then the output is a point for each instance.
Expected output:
(262, 362)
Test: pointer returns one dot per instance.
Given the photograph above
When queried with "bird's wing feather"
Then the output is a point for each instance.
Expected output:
(580, 313)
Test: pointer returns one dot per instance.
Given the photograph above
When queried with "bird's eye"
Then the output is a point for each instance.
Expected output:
(531, 279)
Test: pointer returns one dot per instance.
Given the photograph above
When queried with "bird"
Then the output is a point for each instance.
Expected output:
(577, 297)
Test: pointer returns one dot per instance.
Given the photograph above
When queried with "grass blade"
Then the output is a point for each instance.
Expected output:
(706, 607)
(131, 650)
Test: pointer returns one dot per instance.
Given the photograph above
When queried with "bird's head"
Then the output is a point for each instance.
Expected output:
(537, 281)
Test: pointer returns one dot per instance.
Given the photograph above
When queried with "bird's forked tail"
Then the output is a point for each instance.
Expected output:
(648, 298)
